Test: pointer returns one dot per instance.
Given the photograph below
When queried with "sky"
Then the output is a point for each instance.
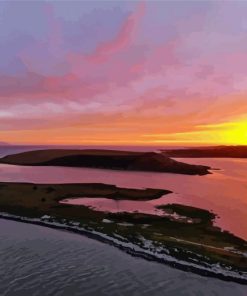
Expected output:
(123, 72)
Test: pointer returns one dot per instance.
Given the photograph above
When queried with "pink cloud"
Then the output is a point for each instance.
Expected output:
(123, 38)
(125, 83)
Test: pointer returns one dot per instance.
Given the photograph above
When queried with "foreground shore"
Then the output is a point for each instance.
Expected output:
(184, 237)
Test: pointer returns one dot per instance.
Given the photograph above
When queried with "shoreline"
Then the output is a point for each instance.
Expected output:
(135, 250)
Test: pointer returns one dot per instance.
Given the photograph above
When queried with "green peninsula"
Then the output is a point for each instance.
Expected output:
(183, 236)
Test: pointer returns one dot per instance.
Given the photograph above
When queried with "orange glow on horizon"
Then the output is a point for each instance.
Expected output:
(228, 133)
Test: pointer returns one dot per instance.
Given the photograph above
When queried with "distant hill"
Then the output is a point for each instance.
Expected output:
(4, 143)
(105, 159)
(206, 152)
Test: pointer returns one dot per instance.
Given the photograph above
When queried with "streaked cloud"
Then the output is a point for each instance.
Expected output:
(123, 72)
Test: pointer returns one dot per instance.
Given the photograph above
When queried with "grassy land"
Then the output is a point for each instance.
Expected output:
(197, 240)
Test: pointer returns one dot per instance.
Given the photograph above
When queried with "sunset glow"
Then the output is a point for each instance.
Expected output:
(123, 73)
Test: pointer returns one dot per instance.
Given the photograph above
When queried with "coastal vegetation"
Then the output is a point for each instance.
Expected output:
(186, 234)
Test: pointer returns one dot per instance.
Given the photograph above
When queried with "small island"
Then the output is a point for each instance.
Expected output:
(105, 159)
(183, 237)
